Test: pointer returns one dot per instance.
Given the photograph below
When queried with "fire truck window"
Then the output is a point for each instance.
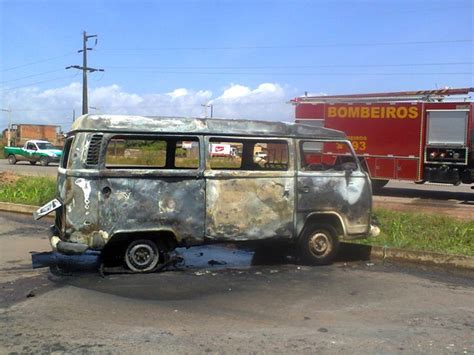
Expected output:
(249, 155)
(326, 156)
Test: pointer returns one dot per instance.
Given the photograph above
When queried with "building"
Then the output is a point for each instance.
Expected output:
(20, 133)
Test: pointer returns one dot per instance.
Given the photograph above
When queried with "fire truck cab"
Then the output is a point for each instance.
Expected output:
(419, 136)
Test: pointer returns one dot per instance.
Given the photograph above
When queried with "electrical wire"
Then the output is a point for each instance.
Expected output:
(296, 66)
(296, 46)
(38, 82)
(31, 76)
(38, 61)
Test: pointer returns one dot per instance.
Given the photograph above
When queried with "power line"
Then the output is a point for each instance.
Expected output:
(37, 62)
(297, 74)
(298, 46)
(38, 82)
(30, 76)
(297, 66)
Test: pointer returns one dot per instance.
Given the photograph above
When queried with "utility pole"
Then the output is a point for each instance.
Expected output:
(85, 68)
(9, 110)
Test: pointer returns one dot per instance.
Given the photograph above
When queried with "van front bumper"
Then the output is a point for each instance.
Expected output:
(63, 247)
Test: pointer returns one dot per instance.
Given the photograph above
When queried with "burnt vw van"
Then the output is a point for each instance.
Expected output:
(139, 187)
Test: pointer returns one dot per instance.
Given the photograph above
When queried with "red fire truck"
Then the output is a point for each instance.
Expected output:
(420, 136)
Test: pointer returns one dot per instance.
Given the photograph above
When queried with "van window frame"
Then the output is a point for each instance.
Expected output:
(146, 170)
(67, 151)
(299, 156)
(289, 141)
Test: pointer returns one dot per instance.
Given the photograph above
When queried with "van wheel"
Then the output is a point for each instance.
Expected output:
(319, 245)
(142, 255)
(44, 161)
(11, 159)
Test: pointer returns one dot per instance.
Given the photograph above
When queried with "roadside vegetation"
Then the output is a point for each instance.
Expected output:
(398, 230)
(2, 156)
(420, 231)
(26, 190)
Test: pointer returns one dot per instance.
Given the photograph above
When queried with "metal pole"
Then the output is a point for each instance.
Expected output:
(9, 110)
(84, 74)
(212, 110)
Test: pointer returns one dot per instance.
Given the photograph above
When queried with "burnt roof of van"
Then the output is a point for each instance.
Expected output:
(182, 125)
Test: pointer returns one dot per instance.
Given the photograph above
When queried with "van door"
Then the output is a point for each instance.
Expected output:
(249, 188)
(329, 180)
(153, 183)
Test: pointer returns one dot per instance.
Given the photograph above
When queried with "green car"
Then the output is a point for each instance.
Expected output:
(34, 151)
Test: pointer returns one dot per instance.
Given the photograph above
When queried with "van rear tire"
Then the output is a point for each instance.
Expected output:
(318, 245)
(142, 255)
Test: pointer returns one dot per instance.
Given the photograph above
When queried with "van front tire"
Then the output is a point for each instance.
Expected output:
(319, 245)
(142, 256)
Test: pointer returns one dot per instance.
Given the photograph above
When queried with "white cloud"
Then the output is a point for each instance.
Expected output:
(267, 101)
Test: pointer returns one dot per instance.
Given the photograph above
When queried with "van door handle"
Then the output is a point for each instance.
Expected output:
(304, 189)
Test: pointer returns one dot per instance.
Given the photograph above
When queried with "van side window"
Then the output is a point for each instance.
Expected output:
(128, 152)
(325, 156)
(248, 154)
(66, 152)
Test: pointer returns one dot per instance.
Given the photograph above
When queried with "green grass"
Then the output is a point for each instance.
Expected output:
(29, 190)
(427, 232)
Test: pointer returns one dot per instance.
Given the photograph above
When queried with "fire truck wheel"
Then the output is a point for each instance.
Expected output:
(32, 162)
(319, 245)
(44, 161)
(11, 159)
(142, 255)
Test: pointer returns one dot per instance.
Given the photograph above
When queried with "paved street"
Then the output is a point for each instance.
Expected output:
(25, 168)
(243, 306)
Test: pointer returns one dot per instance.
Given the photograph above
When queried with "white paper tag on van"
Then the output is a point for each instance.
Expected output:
(46, 209)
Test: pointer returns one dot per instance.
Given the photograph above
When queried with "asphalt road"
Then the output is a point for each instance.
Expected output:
(249, 305)
(25, 168)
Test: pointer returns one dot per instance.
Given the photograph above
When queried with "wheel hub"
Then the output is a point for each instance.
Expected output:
(319, 243)
(141, 255)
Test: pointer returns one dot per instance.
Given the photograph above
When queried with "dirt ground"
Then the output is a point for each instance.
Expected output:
(250, 304)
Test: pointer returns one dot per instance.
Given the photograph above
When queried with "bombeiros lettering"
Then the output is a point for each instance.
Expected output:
(373, 112)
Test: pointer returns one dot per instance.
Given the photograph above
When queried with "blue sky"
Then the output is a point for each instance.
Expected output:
(218, 51)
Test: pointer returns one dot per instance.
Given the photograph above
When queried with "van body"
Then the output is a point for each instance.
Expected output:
(139, 186)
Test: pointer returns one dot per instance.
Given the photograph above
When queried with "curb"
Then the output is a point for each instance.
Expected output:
(18, 208)
(348, 250)
(369, 252)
